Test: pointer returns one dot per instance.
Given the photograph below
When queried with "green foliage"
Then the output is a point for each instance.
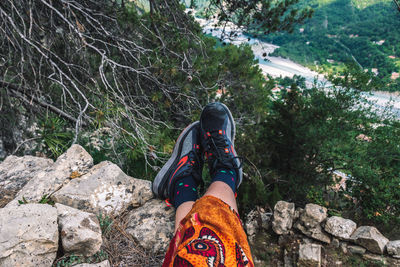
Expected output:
(44, 200)
(70, 260)
(53, 135)
(255, 15)
(310, 133)
(23, 201)
(105, 223)
(341, 30)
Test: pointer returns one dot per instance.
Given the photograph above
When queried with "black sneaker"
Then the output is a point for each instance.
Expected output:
(185, 160)
(217, 139)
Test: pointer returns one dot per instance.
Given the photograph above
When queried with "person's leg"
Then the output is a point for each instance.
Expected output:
(222, 191)
(181, 212)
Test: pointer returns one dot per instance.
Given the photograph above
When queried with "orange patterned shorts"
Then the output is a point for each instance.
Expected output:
(211, 235)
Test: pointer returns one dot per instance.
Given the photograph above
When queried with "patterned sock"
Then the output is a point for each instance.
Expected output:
(185, 190)
(227, 176)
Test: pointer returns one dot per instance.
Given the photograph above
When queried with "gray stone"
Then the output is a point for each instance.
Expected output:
(283, 217)
(370, 238)
(288, 260)
(335, 242)
(15, 172)
(356, 250)
(28, 235)
(393, 248)
(74, 162)
(251, 223)
(316, 232)
(257, 220)
(152, 225)
(106, 189)
(339, 227)
(343, 247)
(100, 264)
(376, 258)
(313, 215)
(309, 255)
(80, 231)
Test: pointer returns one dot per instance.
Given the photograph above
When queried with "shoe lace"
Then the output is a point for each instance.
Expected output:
(217, 144)
(194, 161)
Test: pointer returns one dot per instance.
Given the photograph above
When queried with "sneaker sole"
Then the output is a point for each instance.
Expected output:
(159, 183)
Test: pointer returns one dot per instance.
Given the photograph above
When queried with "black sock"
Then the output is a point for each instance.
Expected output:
(185, 190)
(227, 176)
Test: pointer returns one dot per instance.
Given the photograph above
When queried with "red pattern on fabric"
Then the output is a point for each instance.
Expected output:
(180, 262)
(188, 234)
(241, 258)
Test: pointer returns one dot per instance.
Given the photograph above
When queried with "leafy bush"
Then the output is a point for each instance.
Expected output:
(54, 136)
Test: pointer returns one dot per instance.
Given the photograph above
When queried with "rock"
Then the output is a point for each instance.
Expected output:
(393, 248)
(335, 242)
(256, 220)
(343, 247)
(28, 235)
(283, 217)
(15, 172)
(309, 222)
(288, 259)
(316, 232)
(370, 238)
(152, 225)
(309, 255)
(80, 231)
(339, 227)
(376, 258)
(106, 188)
(251, 223)
(100, 264)
(313, 215)
(297, 213)
(356, 250)
(75, 161)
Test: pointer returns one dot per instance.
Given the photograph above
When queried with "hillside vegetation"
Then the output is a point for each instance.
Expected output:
(341, 31)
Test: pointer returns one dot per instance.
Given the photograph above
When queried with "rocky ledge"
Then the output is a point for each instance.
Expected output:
(54, 209)
(50, 208)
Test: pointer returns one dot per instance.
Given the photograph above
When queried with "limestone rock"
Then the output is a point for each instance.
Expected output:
(75, 161)
(309, 222)
(335, 243)
(28, 235)
(15, 172)
(106, 188)
(343, 247)
(251, 223)
(256, 220)
(309, 255)
(80, 231)
(288, 260)
(316, 232)
(283, 217)
(370, 238)
(152, 225)
(356, 250)
(393, 248)
(100, 264)
(378, 259)
(340, 227)
(313, 215)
